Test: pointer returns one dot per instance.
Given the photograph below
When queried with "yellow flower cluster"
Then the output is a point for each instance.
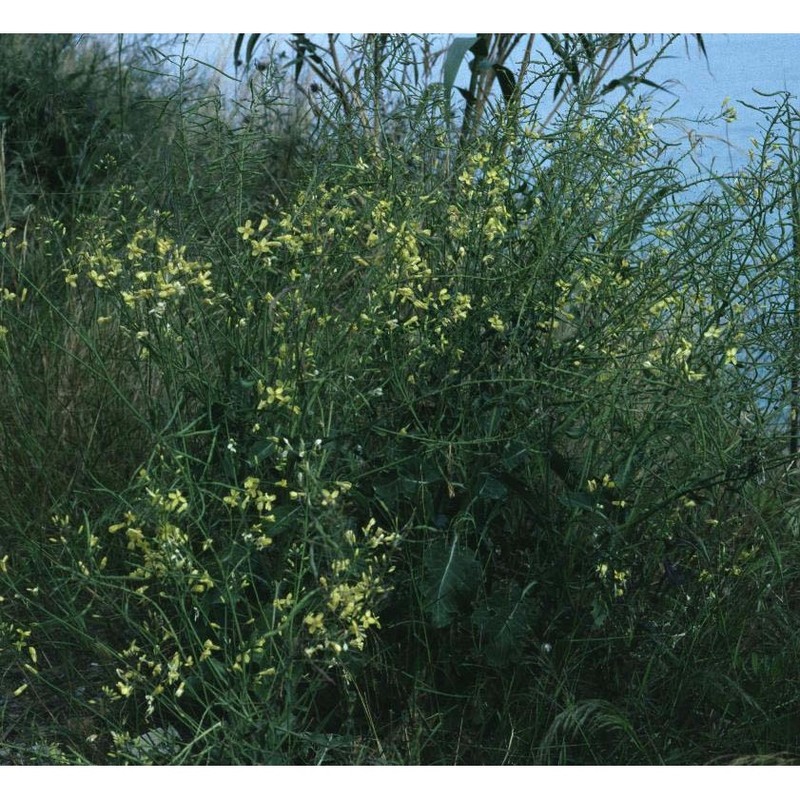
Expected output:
(160, 546)
(616, 578)
(252, 496)
(155, 670)
(350, 601)
(148, 271)
(350, 568)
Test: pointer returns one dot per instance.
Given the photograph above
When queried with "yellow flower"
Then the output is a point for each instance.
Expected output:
(204, 582)
(97, 278)
(232, 498)
(246, 230)
(177, 502)
(314, 622)
(208, 649)
(282, 603)
(497, 323)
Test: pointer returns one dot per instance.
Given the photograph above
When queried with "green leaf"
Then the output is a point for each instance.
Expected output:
(261, 450)
(580, 500)
(300, 48)
(480, 48)
(559, 83)
(567, 60)
(467, 95)
(599, 613)
(507, 81)
(237, 49)
(251, 45)
(399, 489)
(503, 624)
(451, 575)
(629, 81)
(576, 433)
(555, 45)
(493, 489)
(516, 453)
(452, 62)
(588, 46)
(303, 47)
(701, 44)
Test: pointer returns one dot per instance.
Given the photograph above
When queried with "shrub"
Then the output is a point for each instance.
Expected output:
(461, 441)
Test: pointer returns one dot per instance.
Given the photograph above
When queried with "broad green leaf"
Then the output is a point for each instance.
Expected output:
(503, 624)
(450, 579)
(452, 62)
(507, 81)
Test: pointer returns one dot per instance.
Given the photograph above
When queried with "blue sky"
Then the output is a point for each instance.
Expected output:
(45, 16)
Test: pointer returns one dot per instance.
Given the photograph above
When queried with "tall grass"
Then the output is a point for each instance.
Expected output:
(434, 449)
